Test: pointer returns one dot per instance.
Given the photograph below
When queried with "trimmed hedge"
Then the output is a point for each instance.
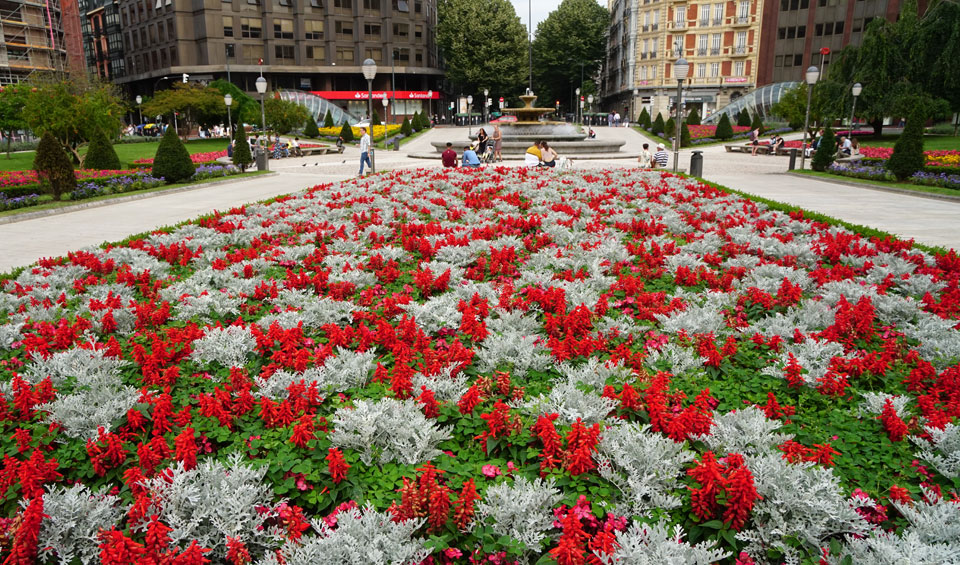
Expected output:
(100, 154)
(172, 162)
(54, 167)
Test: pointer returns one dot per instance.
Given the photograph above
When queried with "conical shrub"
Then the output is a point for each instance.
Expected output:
(312, 131)
(328, 120)
(658, 125)
(172, 162)
(907, 155)
(53, 166)
(757, 122)
(826, 152)
(743, 118)
(406, 129)
(100, 154)
(684, 136)
(694, 118)
(376, 119)
(346, 132)
(724, 128)
(669, 129)
(241, 148)
(644, 119)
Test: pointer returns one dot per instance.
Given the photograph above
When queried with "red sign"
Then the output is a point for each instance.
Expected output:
(501, 99)
(824, 50)
(377, 94)
(735, 79)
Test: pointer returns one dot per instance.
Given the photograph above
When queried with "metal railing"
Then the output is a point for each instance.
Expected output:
(718, 21)
(740, 20)
(701, 52)
(715, 51)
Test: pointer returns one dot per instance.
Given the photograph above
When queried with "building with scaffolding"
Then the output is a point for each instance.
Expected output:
(34, 38)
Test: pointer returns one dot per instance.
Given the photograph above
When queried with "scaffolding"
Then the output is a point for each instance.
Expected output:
(31, 38)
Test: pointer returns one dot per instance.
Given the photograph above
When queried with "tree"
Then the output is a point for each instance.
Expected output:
(572, 34)
(684, 136)
(826, 152)
(417, 123)
(284, 116)
(644, 119)
(327, 120)
(53, 166)
(311, 130)
(907, 155)
(743, 118)
(101, 155)
(241, 149)
(483, 44)
(406, 129)
(244, 109)
(72, 110)
(172, 162)
(658, 125)
(13, 98)
(669, 129)
(724, 128)
(375, 120)
(757, 122)
(193, 103)
(346, 132)
(694, 118)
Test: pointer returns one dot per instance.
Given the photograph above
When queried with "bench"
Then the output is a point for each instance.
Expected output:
(319, 150)
(762, 149)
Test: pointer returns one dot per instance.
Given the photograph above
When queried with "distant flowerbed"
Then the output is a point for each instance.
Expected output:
(876, 171)
(377, 131)
(702, 131)
(141, 180)
(942, 158)
(22, 178)
(197, 158)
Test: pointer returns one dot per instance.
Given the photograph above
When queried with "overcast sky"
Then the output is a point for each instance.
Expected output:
(541, 9)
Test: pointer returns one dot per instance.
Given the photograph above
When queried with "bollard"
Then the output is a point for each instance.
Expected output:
(793, 159)
(696, 164)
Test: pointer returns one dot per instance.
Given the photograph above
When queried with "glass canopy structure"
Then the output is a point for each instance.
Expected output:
(760, 100)
(318, 106)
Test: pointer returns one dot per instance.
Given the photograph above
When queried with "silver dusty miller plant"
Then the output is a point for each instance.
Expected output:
(747, 431)
(360, 536)
(644, 465)
(229, 346)
(74, 517)
(214, 501)
(656, 544)
(942, 450)
(522, 510)
(388, 430)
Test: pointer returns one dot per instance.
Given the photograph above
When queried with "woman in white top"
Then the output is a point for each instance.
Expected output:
(646, 157)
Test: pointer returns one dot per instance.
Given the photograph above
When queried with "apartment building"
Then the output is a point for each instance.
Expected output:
(719, 39)
(311, 45)
(37, 36)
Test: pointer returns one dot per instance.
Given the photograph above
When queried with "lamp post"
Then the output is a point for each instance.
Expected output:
(469, 115)
(576, 116)
(486, 101)
(430, 106)
(385, 102)
(262, 89)
(633, 106)
(811, 77)
(590, 106)
(228, 100)
(369, 72)
(140, 111)
(680, 69)
(857, 89)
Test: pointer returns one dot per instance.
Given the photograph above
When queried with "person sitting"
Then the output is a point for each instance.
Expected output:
(592, 134)
(295, 147)
(340, 144)
(449, 157)
(777, 145)
(470, 158)
(645, 159)
(855, 146)
(532, 157)
(548, 155)
(846, 146)
(230, 149)
(661, 157)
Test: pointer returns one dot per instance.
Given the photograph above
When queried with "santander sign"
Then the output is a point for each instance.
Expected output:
(377, 95)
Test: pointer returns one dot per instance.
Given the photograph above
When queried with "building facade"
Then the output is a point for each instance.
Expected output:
(719, 39)
(310, 45)
(33, 38)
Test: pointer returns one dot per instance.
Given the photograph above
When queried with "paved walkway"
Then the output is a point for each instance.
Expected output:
(928, 221)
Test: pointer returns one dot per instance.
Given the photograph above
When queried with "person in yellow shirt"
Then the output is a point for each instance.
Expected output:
(533, 156)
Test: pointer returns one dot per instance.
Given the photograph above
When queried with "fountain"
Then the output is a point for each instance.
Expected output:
(565, 138)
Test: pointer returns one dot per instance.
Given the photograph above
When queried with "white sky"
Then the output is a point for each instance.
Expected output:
(541, 9)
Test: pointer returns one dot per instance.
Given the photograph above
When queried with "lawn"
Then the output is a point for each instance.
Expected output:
(930, 142)
(128, 152)
(505, 365)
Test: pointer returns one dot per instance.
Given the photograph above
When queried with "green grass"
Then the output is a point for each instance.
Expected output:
(930, 142)
(884, 184)
(128, 153)
(47, 202)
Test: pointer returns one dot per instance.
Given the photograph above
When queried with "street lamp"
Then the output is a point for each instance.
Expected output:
(262, 89)
(590, 106)
(369, 72)
(576, 117)
(385, 102)
(486, 101)
(228, 100)
(429, 106)
(469, 115)
(857, 89)
(811, 77)
(633, 106)
(680, 69)
(140, 110)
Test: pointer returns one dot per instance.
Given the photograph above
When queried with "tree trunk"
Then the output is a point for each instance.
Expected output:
(877, 126)
(9, 138)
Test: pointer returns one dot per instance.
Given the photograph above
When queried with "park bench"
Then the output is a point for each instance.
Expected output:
(762, 149)
(319, 150)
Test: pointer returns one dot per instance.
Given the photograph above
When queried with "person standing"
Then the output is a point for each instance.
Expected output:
(661, 157)
(482, 141)
(497, 143)
(755, 140)
(365, 150)
(449, 157)
(645, 158)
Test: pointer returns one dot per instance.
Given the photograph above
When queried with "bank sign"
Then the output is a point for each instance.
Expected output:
(377, 94)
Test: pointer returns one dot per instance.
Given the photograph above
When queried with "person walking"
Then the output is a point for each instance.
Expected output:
(365, 150)
(449, 157)
(497, 143)
(661, 157)
(645, 159)
(755, 140)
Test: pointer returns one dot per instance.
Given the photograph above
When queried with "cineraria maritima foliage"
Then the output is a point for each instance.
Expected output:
(510, 363)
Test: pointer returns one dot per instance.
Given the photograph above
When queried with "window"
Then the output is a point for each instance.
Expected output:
(715, 44)
(838, 28)
(345, 55)
(828, 28)
(738, 68)
(401, 31)
(373, 53)
(653, 72)
(344, 29)
(680, 16)
(646, 19)
(778, 63)
(782, 33)
(646, 43)
(702, 42)
(371, 6)
(417, 7)
(714, 69)
(744, 9)
(818, 29)
(250, 28)
(402, 55)
(285, 2)
(798, 60)
(788, 60)
(656, 19)
(417, 32)
(678, 44)
(231, 50)
(791, 32)
(704, 14)
(372, 31)
(741, 39)
(227, 26)
(283, 29)
(314, 29)
(343, 4)
(316, 52)
(418, 57)
(717, 14)
(401, 6)
(701, 70)
(252, 53)
(254, 2)
(283, 54)
(162, 32)
(643, 73)
(316, 4)
(794, 4)
(804, 4)
(801, 32)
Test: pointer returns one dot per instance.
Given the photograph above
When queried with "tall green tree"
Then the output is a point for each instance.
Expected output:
(194, 104)
(72, 110)
(484, 46)
(53, 166)
(284, 116)
(241, 149)
(245, 108)
(907, 155)
(328, 120)
(13, 98)
(574, 34)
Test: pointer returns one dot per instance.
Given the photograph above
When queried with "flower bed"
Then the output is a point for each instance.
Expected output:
(377, 131)
(141, 180)
(702, 131)
(942, 158)
(495, 364)
(207, 158)
(740, 132)
(13, 203)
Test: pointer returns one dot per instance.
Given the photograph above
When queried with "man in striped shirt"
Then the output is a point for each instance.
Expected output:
(661, 157)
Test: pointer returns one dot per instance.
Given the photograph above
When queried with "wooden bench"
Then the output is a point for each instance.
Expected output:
(762, 149)
(320, 150)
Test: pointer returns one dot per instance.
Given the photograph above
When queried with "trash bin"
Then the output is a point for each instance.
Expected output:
(262, 164)
(396, 144)
(793, 159)
(696, 164)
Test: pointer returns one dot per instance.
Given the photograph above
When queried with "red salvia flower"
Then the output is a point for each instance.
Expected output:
(336, 465)
(431, 408)
(237, 552)
(24, 548)
(303, 431)
(892, 423)
(186, 447)
(463, 507)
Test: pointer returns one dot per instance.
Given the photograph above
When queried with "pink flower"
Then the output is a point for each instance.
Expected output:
(491, 471)
(452, 553)
(511, 467)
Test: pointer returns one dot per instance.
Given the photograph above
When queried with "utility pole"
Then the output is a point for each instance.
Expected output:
(530, 38)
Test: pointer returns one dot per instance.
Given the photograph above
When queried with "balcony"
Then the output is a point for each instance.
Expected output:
(741, 21)
(702, 52)
(704, 22)
(718, 21)
(654, 27)
(643, 56)
(645, 28)
(739, 51)
(671, 54)
(677, 25)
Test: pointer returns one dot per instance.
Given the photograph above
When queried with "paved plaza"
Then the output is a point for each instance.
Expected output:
(925, 220)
